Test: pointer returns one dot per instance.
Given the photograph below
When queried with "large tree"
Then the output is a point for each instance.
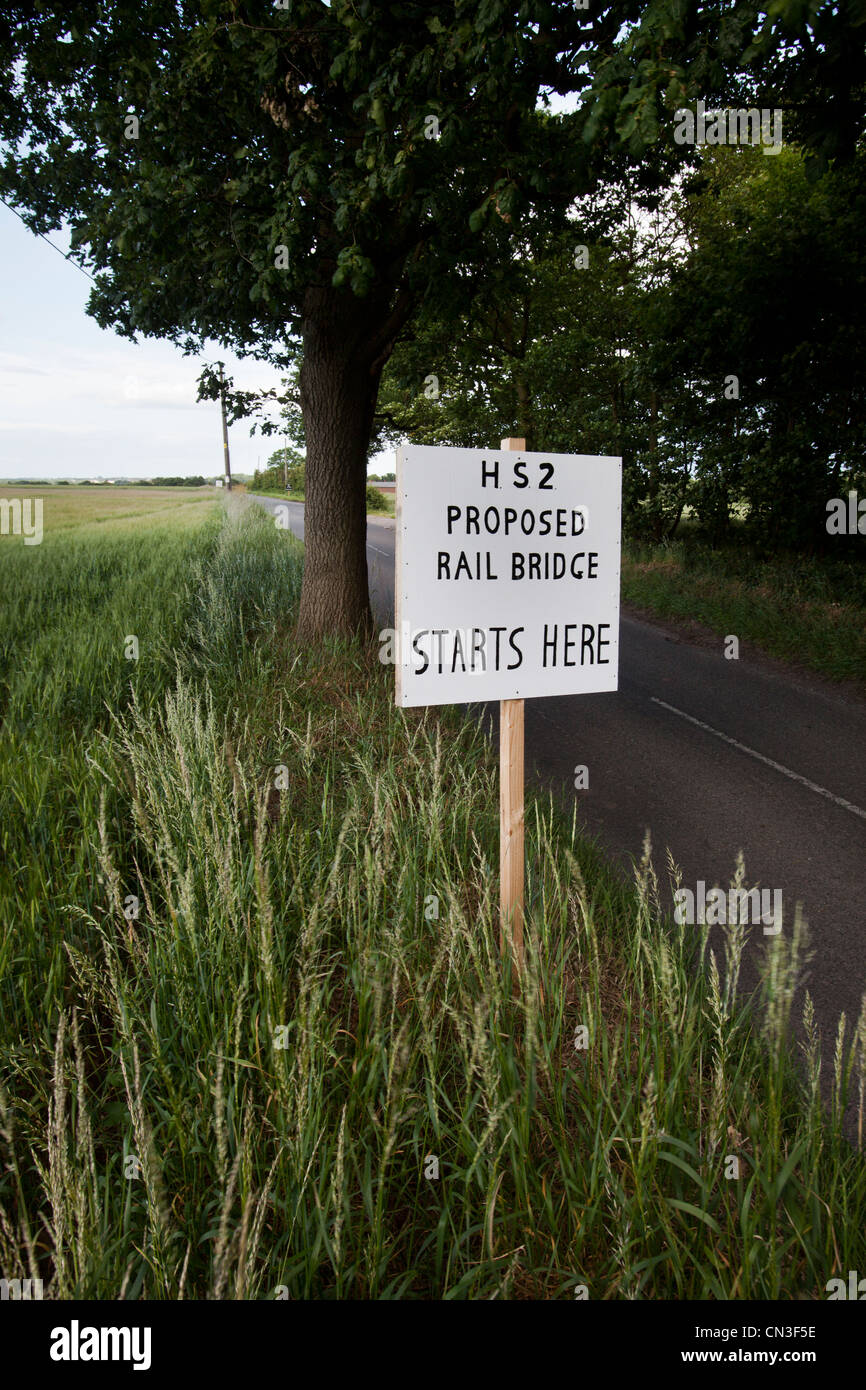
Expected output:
(295, 179)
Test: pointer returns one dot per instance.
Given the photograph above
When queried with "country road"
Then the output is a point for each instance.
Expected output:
(712, 756)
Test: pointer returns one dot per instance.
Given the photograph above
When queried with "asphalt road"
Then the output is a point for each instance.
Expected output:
(712, 756)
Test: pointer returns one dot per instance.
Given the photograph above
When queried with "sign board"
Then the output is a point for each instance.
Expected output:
(508, 571)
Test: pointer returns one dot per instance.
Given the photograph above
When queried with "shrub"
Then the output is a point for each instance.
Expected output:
(376, 500)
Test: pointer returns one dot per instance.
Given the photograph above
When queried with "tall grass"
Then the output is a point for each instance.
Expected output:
(300, 1069)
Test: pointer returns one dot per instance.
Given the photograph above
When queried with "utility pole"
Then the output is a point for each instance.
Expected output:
(228, 466)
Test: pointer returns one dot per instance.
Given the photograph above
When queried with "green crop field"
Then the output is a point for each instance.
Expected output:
(85, 508)
(256, 1039)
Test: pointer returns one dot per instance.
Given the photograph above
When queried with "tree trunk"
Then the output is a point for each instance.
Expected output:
(339, 385)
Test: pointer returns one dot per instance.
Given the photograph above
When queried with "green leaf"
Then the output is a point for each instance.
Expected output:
(694, 1211)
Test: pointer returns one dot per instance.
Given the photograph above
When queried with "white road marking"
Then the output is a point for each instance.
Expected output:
(386, 553)
(795, 776)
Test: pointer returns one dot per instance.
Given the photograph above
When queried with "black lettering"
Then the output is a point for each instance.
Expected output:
(560, 521)
(569, 642)
(592, 569)
(491, 529)
(579, 531)
(534, 564)
(527, 530)
(476, 633)
(544, 523)
(415, 640)
(439, 632)
(509, 515)
(456, 513)
(511, 642)
(517, 474)
(497, 630)
(472, 515)
(549, 474)
(548, 643)
(603, 660)
(462, 563)
(586, 642)
(516, 560)
(574, 559)
(489, 473)
(458, 647)
(444, 563)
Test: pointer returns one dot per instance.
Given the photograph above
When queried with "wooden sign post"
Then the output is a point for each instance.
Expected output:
(511, 784)
(507, 588)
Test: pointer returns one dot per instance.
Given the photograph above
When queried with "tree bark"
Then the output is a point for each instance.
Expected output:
(339, 384)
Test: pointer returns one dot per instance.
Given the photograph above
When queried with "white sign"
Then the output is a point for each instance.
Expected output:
(507, 581)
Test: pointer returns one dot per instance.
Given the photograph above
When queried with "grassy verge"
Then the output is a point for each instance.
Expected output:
(295, 1063)
(805, 610)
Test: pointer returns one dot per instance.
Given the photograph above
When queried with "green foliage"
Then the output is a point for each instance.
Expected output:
(268, 480)
(196, 481)
(754, 270)
(294, 465)
(285, 472)
(211, 220)
(774, 292)
(377, 501)
(296, 477)
(557, 354)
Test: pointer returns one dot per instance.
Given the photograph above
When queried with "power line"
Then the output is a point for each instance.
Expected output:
(50, 243)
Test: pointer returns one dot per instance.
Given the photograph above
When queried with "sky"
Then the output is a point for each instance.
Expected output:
(78, 401)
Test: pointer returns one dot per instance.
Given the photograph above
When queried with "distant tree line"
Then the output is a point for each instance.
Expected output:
(197, 481)
(175, 482)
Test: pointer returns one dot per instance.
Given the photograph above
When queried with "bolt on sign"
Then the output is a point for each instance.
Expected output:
(508, 574)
